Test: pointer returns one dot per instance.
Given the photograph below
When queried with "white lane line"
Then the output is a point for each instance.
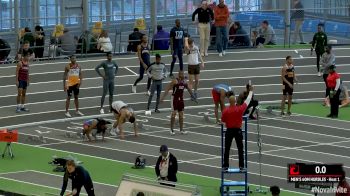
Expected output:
(24, 182)
(54, 143)
(105, 115)
(99, 97)
(306, 123)
(328, 154)
(143, 83)
(15, 172)
(139, 143)
(203, 79)
(133, 57)
(124, 162)
(131, 71)
(60, 176)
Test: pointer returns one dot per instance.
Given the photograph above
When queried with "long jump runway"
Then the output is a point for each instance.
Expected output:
(295, 139)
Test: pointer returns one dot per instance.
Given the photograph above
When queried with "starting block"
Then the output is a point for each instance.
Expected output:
(206, 118)
(77, 135)
(36, 138)
(141, 126)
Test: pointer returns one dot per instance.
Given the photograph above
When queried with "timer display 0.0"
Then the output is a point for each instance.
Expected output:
(301, 172)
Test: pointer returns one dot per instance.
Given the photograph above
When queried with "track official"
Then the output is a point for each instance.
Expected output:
(232, 117)
(333, 83)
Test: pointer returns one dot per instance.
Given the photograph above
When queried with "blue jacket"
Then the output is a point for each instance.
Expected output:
(161, 40)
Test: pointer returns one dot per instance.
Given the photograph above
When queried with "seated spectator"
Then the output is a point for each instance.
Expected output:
(28, 36)
(267, 35)
(25, 49)
(239, 36)
(66, 43)
(97, 29)
(161, 39)
(104, 42)
(5, 50)
(39, 41)
(134, 40)
(344, 99)
(87, 43)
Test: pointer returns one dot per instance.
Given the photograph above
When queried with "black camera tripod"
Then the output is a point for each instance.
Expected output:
(8, 149)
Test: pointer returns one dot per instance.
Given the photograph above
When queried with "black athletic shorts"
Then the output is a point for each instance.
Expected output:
(193, 69)
(287, 90)
(73, 89)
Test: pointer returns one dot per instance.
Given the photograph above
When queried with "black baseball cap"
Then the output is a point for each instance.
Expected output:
(163, 148)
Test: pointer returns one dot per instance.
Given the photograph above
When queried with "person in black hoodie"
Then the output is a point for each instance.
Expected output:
(80, 177)
(166, 167)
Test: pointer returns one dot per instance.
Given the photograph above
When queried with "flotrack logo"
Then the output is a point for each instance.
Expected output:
(318, 189)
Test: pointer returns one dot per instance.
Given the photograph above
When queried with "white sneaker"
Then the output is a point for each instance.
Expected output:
(112, 132)
(102, 111)
(148, 112)
(67, 114)
(319, 74)
(79, 113)
(183, 132)
(224, 52)
(220, 54)
(148, 93)
(133, 89)
(172, 132)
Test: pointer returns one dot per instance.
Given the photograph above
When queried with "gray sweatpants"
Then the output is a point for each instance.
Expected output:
(156, 85)
(108, 85)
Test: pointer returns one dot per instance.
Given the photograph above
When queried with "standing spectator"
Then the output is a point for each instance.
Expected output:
(28, 36)
(143, 52)
(288, 78)
(22, 81)
(298, 17)
(166, 166)
(205, 15)
(177, 35)
(232, 117)
(219, 93)
(267, 34)
(39, 41)
(193, 66)
(221, 15)
(333, 83)
(275, 190)
(134, 40)
(66, 43)
(25, 49)
(343, 184)
(111, 69)
(326, 61)
(157, 72)
(161, 39)
(72, 79)
(241, 37)
(104, 42)
(80, 177)
(319, 42)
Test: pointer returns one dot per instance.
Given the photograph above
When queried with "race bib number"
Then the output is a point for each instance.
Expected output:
(179, 34)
